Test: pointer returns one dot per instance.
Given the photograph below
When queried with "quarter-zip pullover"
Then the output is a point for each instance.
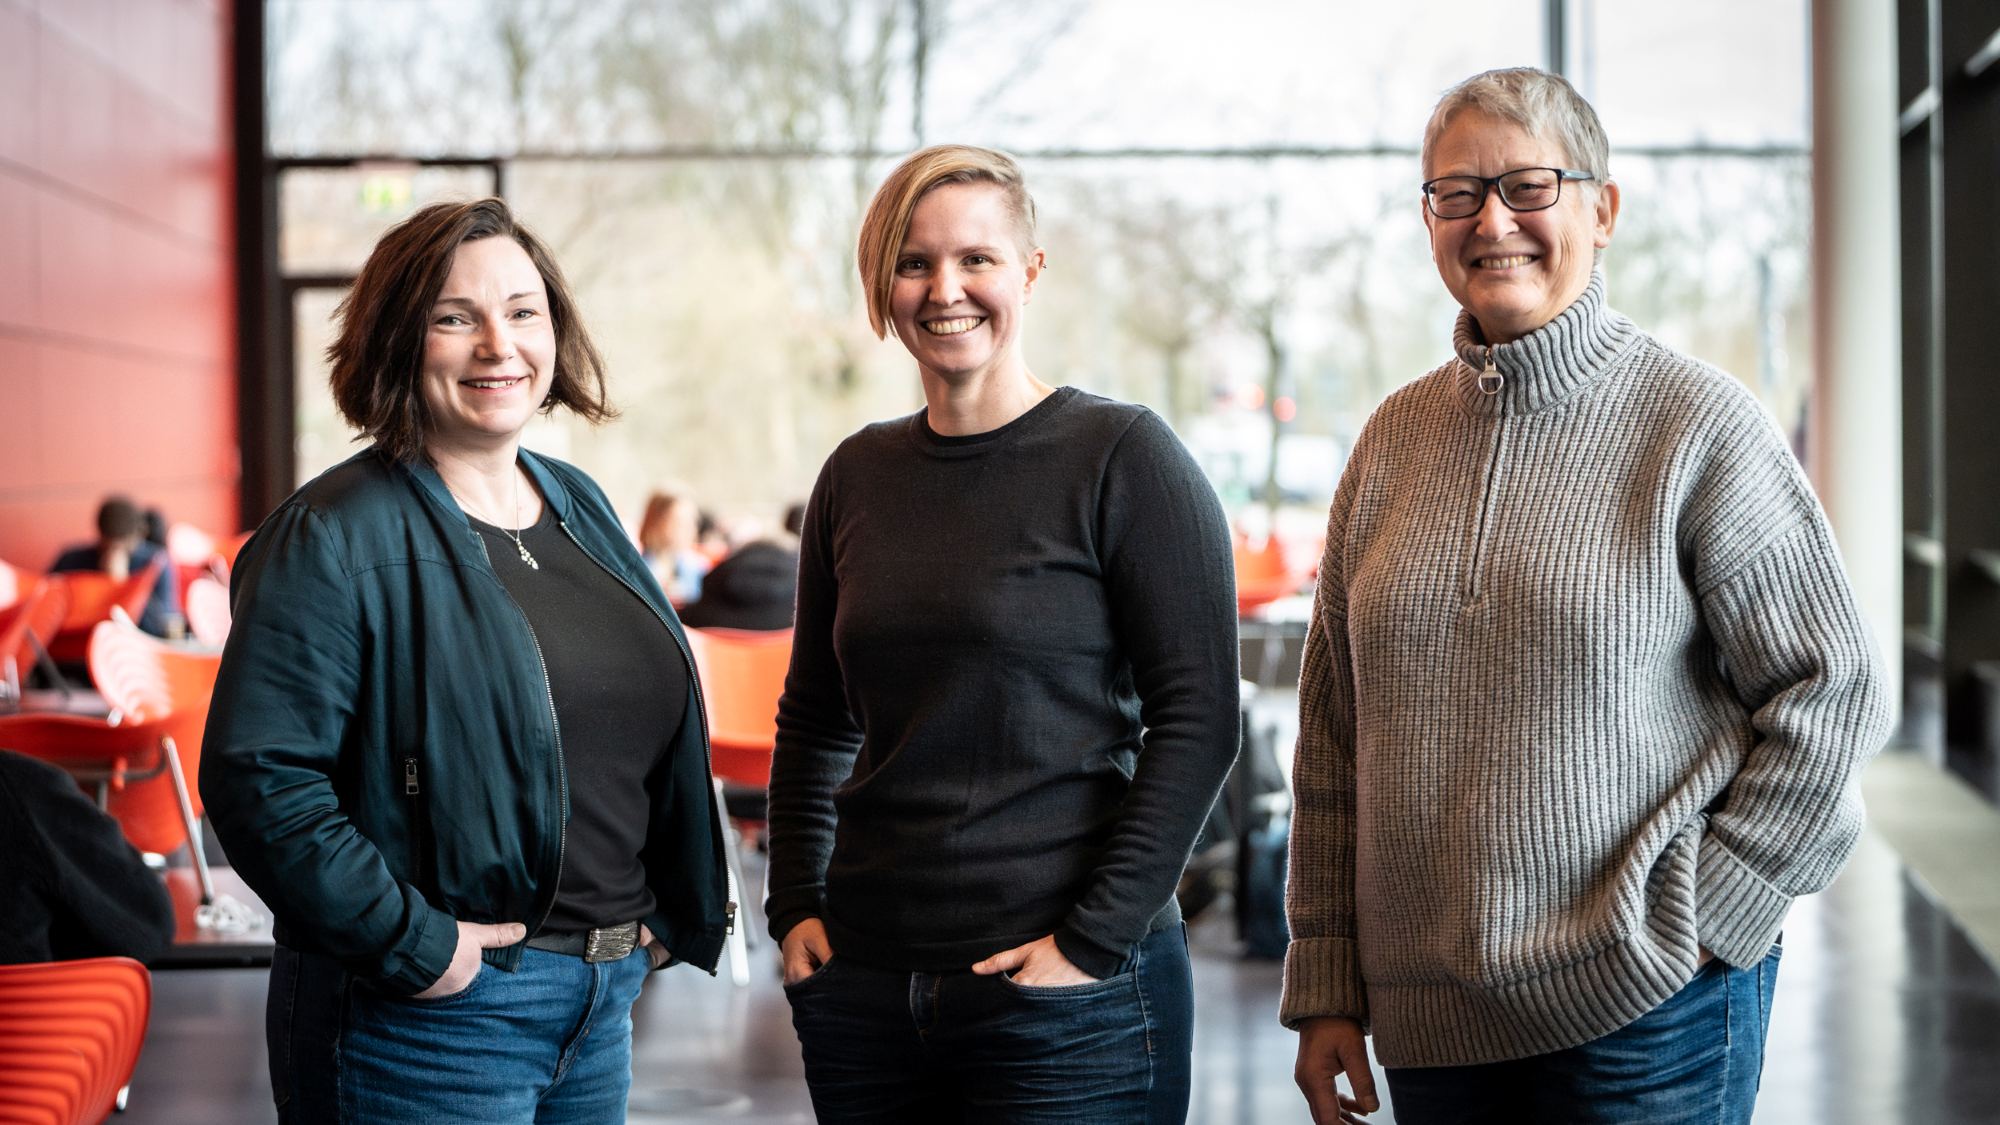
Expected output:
(1584, 690)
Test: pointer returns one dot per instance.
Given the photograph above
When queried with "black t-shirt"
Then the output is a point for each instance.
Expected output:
(620, 688)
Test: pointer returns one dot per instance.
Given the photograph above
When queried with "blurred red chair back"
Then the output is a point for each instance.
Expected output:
(742, 675)
(146, 680)
(207, 606)
(16, 650)
(70, 1033)
(1263, 575)
(90, 750)
(14, 582)
(92, 596)
(27, 626)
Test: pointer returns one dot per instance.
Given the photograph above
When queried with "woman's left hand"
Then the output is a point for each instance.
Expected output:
(1036, 964)
(656, 953)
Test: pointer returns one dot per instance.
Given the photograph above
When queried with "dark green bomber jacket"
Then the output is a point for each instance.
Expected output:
(382, 756)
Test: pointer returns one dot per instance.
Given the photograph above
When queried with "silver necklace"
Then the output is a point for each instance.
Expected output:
(515, 532)
(515, 517)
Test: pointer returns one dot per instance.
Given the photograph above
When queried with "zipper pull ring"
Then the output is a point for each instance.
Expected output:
(409, 777)
(1490, 379)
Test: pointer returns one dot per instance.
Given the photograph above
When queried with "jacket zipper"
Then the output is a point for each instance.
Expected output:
(419, 847)
(1490, 382)
(701, 709)
(555, 727)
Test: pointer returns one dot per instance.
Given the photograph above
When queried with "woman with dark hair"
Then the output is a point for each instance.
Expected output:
(1012, 700)
(457, 744)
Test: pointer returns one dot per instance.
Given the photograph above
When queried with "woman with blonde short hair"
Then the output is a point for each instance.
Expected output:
(1011, 702)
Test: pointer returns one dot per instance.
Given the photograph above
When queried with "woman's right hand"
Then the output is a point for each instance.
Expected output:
(472, 938)
(805, 949)
(1330, 1046)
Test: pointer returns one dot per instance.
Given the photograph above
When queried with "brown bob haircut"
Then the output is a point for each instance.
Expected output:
(378, 356)
(887, 222)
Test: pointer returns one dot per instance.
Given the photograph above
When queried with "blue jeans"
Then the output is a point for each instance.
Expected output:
(549, 1044)
(885, 1046)
(1694, 1060)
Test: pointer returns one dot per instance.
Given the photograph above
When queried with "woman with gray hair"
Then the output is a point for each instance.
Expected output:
(1585, 692)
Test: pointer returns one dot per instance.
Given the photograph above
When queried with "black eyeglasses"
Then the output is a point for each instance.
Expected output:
(1523, 189)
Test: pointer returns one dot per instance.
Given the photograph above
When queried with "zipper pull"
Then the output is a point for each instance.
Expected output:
(409, 777)
(1490, 379)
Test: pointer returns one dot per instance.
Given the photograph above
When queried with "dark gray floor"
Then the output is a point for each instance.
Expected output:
(1884, 1014)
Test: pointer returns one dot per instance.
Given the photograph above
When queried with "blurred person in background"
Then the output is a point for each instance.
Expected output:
(457, 743)
(1585, 695)
(713, 540)
(1012, 700)
(753, 587)
(122, 550)
(670, 542)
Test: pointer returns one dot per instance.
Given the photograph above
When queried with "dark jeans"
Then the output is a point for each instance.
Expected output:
(934, 1048)
(1694, 1060)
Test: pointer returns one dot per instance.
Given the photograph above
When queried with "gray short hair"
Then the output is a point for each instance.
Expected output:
(1542, 104)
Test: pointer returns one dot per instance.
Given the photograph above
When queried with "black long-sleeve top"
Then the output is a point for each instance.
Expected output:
(1013, 689)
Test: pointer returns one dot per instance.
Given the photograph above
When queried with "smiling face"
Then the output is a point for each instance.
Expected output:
(1515, 271)
(961, 284)
(490, 353)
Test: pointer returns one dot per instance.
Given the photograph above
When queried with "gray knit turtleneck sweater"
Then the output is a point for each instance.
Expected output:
(1585, 689)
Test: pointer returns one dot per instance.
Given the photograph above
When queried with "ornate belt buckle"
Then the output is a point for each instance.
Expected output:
(611, 943)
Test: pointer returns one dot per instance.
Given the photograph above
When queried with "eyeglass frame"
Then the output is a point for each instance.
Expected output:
(1489, 185)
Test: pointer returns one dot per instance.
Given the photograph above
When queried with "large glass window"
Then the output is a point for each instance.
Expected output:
(1227, 196)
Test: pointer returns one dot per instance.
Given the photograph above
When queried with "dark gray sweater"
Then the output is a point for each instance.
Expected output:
(1585, 690)
(1013, 692)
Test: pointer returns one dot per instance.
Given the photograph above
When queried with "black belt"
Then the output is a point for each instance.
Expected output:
(605, 943)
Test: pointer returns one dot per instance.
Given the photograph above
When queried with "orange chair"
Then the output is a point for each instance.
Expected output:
(101, 757)
(70, 1033)
(1263, 575)
(742, 674)
(207, 606)
(14, 581)
(92, 596)
(16, 620)
(42, 618)
(148, 681)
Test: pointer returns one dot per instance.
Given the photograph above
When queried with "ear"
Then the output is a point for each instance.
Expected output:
(1606, 217)
(1036, 260)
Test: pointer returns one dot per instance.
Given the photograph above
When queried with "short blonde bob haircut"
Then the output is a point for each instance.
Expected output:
(887, 222)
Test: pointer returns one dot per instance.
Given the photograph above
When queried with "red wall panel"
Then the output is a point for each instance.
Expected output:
(18, 76)
(117, 287)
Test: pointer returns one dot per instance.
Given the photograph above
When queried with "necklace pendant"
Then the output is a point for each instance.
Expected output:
(525, 556)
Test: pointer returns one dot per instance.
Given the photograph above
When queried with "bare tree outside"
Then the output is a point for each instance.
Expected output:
(701, 167)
